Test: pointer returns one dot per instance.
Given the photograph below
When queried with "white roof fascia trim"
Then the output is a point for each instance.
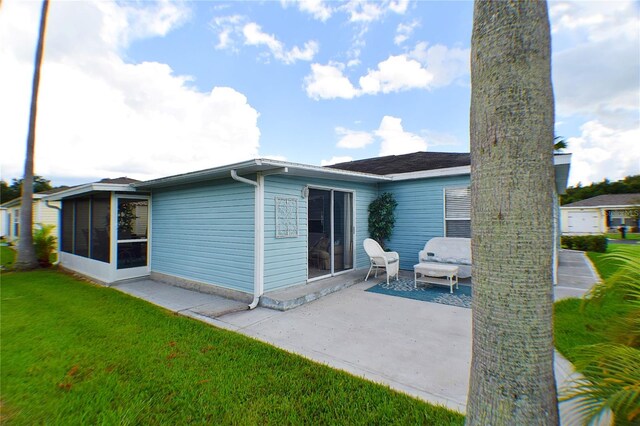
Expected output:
(90, 187)
(283, 166)
(190, 176)
(449, 171)
(559, 159)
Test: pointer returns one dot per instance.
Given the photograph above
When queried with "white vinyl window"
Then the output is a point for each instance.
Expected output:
(457, 212)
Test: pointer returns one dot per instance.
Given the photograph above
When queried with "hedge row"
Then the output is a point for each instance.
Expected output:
(597, 243)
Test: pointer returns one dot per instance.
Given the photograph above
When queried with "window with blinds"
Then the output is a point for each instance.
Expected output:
(457, 212)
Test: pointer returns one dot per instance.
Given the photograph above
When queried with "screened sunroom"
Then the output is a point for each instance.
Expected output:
(104, 230)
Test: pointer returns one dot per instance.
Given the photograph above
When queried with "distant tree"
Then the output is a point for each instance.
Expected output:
(512, 191)
(26, 252)
(9, 193)
(6, 192)
(628, 185)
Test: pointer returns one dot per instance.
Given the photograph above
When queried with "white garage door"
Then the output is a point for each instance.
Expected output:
(583, 223)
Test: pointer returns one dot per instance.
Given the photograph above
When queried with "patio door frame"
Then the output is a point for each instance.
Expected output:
(332, 272)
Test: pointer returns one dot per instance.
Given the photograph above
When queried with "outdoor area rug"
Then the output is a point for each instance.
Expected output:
(404, 287)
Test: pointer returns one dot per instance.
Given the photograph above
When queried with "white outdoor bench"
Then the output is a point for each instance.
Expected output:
(448, 251)
(433, 273)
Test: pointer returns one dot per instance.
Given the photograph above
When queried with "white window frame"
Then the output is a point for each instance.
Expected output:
(444, 207)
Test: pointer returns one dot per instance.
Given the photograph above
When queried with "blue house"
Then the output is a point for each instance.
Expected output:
(248, 228)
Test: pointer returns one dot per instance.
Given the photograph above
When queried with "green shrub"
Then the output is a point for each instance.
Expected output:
(44, 244)
(595, 243)
(382, 218)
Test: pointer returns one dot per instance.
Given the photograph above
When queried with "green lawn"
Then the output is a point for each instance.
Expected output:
(616, 236)
(607, 267)
(575, 325)
(75, 353)
(7, 256)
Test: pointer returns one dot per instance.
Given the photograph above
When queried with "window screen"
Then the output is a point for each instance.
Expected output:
(100, 212)
(457, 212)
(68, 207)
(81, 236)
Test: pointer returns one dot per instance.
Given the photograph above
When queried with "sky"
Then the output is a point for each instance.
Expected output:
(150, 89)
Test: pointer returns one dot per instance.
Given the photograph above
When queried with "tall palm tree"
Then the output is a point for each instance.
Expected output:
(559, 143)
(512, 192)
(26, 253)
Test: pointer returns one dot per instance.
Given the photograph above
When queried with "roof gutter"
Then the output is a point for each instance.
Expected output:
(46, 202)
(258, 268)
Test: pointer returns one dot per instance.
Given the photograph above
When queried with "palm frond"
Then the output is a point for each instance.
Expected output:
(610, 380)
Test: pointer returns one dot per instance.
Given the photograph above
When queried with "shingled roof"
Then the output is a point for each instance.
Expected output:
(608, 200)
(415, 162)
(120, 180)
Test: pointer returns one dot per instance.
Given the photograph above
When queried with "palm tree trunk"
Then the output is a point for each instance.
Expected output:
(26, 254)
(512, 190)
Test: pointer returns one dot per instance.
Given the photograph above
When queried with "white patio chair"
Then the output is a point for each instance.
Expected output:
(389, 260)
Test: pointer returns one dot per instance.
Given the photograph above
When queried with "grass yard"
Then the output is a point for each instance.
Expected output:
(607, 267)
(575, 325)
(7, 256)
(616, 236)
(75, 353)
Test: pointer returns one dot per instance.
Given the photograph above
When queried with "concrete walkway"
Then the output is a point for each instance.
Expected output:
(420, 348)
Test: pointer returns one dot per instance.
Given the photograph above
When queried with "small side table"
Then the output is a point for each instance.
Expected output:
(435, 273)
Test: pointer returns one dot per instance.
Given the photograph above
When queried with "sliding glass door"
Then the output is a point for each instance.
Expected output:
(330, 232)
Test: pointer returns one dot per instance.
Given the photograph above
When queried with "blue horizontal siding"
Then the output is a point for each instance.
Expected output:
(205, 232)
(286, 258)
(419, 215)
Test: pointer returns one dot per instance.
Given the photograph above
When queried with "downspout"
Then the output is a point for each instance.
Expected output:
(46, 202)
(258, 269)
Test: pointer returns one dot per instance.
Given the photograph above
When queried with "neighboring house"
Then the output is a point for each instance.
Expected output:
(601, 214)
(260, 225)
(44, 212)
(4, 222)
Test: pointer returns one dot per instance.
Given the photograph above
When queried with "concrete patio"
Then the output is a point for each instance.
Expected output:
(420, 348)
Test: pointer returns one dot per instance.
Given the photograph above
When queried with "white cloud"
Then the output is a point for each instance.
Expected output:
(423, 68)
(395, 140)
(256, 37)
(319, 9)
(275, 157)
(595, 77)
(227, 27)
(234, 29)
(399, 6)
(404, 31)
(595, 21)
(365, 12)
(352, 139)
(395, 74)
(328, 82)
(360, 11)
(445, 64)
(602, 151)
(335, 160)
(99, 116)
